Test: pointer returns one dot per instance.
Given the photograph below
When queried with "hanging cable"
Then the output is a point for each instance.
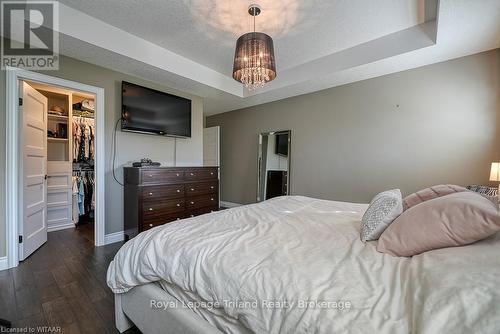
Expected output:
(114, 152)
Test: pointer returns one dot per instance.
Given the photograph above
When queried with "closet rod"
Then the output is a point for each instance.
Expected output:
(84, 116)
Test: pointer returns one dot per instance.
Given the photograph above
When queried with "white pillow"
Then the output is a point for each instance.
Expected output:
(383, 209)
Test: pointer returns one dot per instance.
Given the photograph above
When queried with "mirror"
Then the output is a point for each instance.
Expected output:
(273, 165)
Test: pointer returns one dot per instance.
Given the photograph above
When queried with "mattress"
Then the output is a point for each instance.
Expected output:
(296, 265)
(214, 315)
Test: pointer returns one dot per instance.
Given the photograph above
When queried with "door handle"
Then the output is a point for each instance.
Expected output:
(45, 177)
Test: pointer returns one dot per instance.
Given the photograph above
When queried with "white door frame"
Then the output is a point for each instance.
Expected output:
(13, 154)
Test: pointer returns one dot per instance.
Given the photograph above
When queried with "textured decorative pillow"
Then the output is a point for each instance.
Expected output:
(383, 209)
(430, 193)
(484, 190)
(456, 219)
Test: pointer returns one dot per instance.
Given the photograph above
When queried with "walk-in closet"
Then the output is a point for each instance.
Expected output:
(70, 191)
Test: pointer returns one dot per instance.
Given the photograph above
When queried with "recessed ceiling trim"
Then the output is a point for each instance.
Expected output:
(400, 42)
(88, 29)
(460, 28)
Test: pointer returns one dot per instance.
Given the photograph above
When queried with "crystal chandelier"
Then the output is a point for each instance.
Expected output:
(254, 63)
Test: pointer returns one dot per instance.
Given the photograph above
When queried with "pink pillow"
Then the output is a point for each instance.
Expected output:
(454, 220)
(430, 193)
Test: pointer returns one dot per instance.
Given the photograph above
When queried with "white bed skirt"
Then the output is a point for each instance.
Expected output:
(134, 308)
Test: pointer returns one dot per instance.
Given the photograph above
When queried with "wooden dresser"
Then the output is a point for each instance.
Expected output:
(159, 195)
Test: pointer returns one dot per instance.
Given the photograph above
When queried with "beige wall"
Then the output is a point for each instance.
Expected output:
(131, 147)
(435, 124)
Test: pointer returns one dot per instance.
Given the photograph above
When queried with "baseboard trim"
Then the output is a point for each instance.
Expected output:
(229, 204)
(60, 227)
(114, 237)
(4, 264)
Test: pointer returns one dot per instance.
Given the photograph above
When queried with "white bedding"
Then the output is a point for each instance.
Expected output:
(295, 249)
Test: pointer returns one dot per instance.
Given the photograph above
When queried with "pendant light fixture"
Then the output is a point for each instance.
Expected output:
(254, 63)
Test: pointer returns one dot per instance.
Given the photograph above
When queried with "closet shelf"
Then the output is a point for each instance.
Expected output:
(63, 140)
(84, 114)
(57, 117)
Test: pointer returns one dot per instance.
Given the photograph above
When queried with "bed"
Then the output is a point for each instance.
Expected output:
(295, 264)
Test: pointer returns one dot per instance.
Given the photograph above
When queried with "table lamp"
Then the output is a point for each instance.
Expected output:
(495, 175)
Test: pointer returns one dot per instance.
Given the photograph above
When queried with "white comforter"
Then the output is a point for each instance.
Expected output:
(296, 249)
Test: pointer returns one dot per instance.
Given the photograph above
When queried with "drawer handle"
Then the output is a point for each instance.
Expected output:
(150, 209)
(150, 194)
(178, 204)
(178, 190)
(177, 174)
(150, 225)
(150, 175)
(211, 173)
(211, 199)
(192, 189)
(192, 202)
(192, 174)
(212, 187)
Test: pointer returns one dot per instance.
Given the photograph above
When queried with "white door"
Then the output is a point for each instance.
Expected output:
(211, 146)
(33, 114)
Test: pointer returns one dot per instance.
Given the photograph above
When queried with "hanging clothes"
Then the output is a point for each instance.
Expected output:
(83, 164)
(75, 212)
(83, 195)
(83, 139)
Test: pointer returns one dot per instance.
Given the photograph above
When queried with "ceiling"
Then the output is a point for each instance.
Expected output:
(206, 30)
(189, 44)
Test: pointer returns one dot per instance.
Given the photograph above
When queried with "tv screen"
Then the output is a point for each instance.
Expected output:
(282, 144)
(150, 111)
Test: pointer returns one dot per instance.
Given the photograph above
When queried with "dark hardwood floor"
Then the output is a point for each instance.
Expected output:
(62, 284)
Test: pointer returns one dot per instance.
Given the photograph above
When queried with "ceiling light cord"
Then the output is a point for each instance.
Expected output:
(254, 20)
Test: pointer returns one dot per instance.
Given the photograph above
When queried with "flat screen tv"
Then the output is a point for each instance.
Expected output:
(282, 144)
(150, 111)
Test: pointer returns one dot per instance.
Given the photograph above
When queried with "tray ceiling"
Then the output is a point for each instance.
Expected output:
(189, 44)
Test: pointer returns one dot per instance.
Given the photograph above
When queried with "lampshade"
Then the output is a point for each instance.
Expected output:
(254, 60)
(495, 171)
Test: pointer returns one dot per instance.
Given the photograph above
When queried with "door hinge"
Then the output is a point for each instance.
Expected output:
(20, 239)
(20, 101)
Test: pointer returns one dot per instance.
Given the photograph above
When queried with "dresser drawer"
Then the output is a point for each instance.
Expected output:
(148, 223)
(162, 192)
(202, 188)
(197, 174)
(155, 208)
(202, 211)
(155, 196)
(201, 201)
(161, 175)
